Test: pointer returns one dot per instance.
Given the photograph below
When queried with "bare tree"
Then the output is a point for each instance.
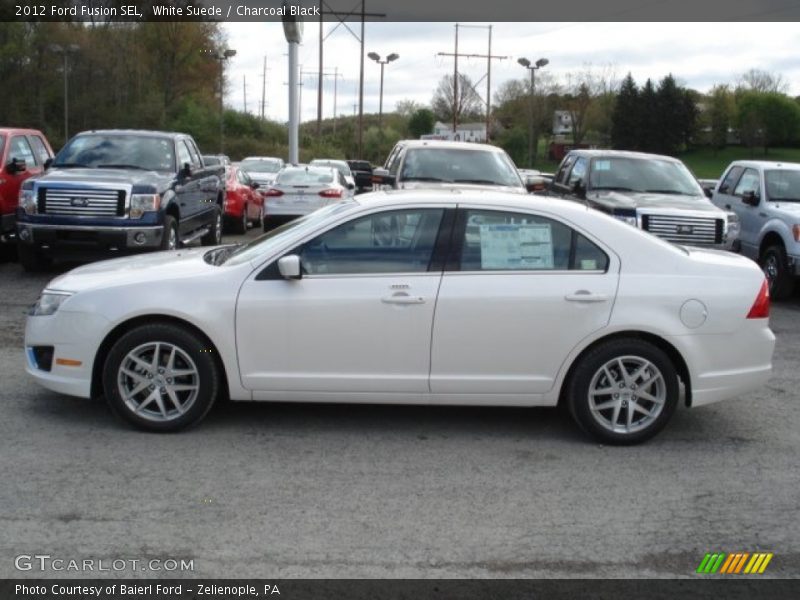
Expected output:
(589, 99)
(467, 105)
(762, 81)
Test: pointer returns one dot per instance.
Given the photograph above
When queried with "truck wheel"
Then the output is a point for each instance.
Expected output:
(33, 259)
(214, 235)
(776, 269)
(160, 377)
(169, 239)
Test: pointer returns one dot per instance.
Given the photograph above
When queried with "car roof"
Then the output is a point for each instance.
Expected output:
(265, 158)
(22, 130)
(449, 144)
(332, 161)
(789, 166)
(136, 132)
(594, 153)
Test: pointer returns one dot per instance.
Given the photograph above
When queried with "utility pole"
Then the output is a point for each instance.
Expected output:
(335, 95)
(244, 80)
(489, 58)
(319, 81)
(264, 90)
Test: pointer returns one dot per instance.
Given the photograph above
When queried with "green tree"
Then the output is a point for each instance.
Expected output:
(421, 122)
(626, 117)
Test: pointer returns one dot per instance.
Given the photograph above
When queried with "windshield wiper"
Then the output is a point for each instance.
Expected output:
(70, 165)
(427, 179)
(673, 192)
(480, 181)
(122, 166)
(612, 188)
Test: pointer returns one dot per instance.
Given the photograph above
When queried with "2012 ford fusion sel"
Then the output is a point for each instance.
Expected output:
(415, 297)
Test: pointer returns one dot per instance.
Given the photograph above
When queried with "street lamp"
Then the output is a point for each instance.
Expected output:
(532, 68)
(293, 31)
(65, 51)
(221, 56)
(377, 58)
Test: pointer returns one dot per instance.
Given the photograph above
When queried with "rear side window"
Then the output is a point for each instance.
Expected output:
(502, 241)
(39, 148)
(730, 180)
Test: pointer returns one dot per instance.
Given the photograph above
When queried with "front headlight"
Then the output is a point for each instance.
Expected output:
(142, 203)
(27, 201)
(48, 303)
(627, 218)
(733, 225)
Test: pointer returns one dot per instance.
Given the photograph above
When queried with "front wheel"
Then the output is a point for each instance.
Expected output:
(623, 391)
(169, 237)
(776, 269)
(214, 235)
(32, 258)
(160, 377)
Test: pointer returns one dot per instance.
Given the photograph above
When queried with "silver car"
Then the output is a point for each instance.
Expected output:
(339, 165)
(300, 190)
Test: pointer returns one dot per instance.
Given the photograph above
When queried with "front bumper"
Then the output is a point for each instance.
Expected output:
(75, 337)
(8, 227)
(88, 237)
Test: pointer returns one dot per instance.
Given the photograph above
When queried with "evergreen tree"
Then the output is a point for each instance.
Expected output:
(626, 118)
(650, 126)
(671, 117)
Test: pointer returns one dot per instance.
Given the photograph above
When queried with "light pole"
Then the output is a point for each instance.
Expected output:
(532, 68)
(377, 58)
(293, 31)
(222, 57)
(65, 51)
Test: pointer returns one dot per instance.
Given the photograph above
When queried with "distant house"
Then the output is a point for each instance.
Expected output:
(465, 132)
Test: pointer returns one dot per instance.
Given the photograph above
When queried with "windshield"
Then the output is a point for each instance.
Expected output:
(459, 165)
(340, 166)
(642, 175)
(304, 176)
(121, 151)
(783, 185)
(263, 245)
(261, 166)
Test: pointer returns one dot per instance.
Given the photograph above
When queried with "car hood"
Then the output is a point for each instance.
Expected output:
(124, 177)
(628, 200)
(150, 268)
(433, 185)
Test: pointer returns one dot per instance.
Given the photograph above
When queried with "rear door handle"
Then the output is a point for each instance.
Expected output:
(583, 296)
(403, 298)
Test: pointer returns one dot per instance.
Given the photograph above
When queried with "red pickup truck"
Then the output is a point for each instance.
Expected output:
(23, 153)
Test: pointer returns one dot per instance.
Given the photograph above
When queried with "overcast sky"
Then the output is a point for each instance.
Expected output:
(698, 54)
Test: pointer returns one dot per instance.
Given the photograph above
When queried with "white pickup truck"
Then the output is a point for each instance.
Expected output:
(766, 197)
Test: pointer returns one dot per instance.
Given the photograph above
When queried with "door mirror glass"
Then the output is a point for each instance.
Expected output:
(708, 192)
(48, 163)
(750, 198)
(289, 267)
(186, 171)
(17, 165)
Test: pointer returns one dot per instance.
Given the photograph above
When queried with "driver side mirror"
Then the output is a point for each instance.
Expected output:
(48, 163)
(254, 185)
(383, 177)
(578, 189)
(16, 165)
(351, 186)
(289, 267)
(186, 171)
(750, 198)
(708, 192)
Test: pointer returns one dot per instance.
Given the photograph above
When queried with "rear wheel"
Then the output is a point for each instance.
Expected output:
(160, 377)
(776, 269)
(241, 224)
(623, 391)
(32, 258)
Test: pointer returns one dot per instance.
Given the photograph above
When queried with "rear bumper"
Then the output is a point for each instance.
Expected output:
(289, 208)
(90, 238)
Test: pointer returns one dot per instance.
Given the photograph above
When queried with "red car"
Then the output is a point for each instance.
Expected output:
(244, 204)
(23, 153)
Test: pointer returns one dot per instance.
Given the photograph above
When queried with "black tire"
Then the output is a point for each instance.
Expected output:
(151, 416)
(240, 226)
(214, 235)
(8, 252)
(259, 223)
(589, 372)
(169, 237)
(776, 269)
(32, 258)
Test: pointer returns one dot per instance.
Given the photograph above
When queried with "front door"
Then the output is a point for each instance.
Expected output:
(360, 318)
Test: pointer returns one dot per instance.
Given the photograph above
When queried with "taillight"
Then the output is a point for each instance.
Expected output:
(272, 192)
(760, 308)
(331, 193)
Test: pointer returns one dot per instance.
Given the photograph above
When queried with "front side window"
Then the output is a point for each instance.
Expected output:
(730, 180)
(398, 241)
(184, 158)
(21, 150)
(578, 173)
(749, 182)
(502, 241)
(39, 148)
(561, 176)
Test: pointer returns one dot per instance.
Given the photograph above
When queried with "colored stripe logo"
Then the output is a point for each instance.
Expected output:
(737, 563)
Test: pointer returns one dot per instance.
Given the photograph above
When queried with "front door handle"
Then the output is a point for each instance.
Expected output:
(403, 298)
(584, 296)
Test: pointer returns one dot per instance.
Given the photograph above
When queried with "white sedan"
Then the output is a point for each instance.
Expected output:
(415, 297)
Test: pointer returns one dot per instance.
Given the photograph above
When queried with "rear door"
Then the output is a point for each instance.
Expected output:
(519, 292)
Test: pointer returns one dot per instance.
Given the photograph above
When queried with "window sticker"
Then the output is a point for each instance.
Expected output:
(602, 165)
(588, 265)
(517, 246)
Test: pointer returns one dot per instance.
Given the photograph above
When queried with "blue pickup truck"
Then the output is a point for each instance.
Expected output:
(118, 191)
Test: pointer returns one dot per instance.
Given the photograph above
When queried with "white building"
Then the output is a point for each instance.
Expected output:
(562, 122)
(466, 132)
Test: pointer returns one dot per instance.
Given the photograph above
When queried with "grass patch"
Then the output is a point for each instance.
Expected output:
(707, 163)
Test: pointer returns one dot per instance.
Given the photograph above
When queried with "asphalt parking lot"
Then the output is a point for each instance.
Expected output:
(282, 490)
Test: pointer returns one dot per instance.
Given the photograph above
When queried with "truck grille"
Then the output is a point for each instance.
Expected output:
(88, 202)
(692, 231)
